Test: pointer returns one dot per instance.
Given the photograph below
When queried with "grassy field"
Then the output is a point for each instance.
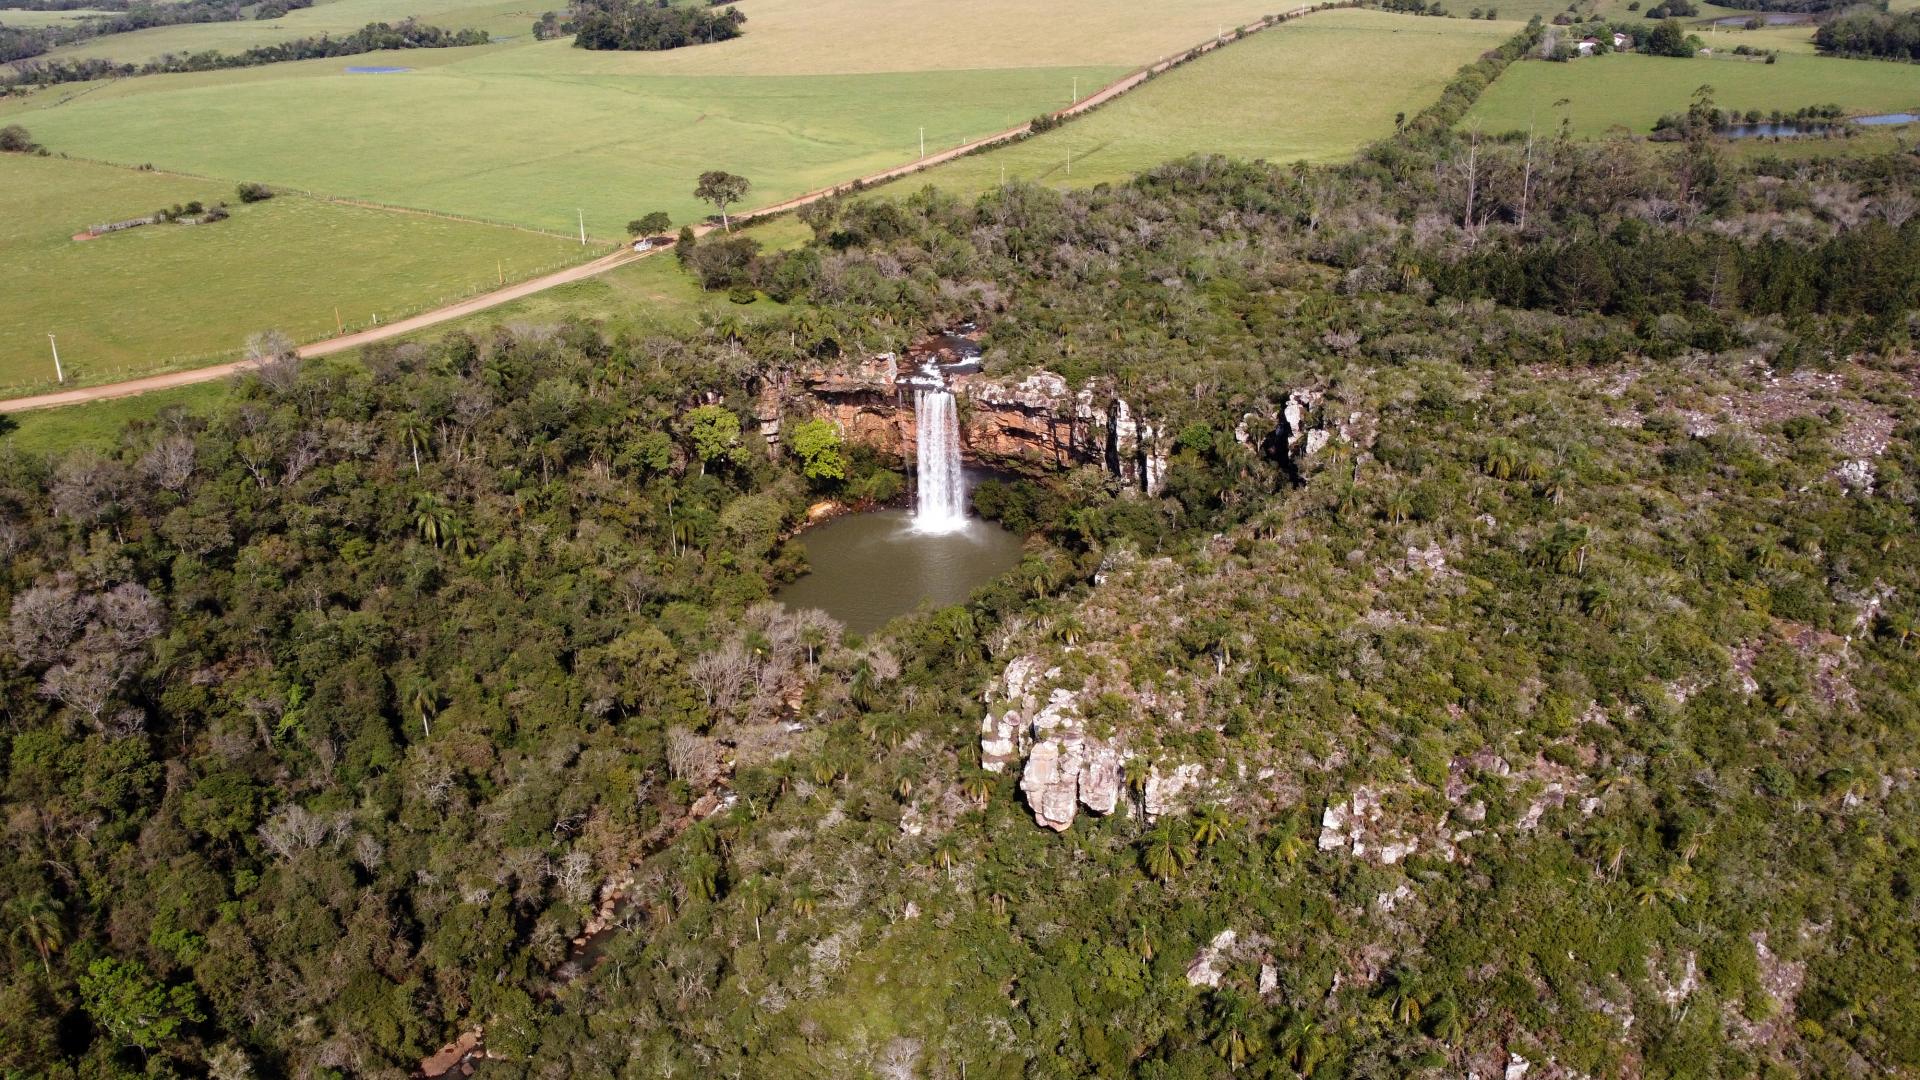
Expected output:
(653, 294)
(787, 37)
(328, 17)
(98, 425)
(161, 295)
(1634, 91)
(32, 20)
(1315, 89)
(531, 148)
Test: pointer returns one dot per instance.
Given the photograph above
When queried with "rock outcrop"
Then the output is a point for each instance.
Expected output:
(1065, 769)
(1030, 421)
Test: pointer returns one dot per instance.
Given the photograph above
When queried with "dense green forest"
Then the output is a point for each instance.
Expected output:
(1544, 688)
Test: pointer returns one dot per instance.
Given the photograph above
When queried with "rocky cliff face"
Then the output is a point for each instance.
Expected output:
(1034, 421)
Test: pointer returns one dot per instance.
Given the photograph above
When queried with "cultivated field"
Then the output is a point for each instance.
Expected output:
(164, 296)
(1314, 89)
(1631, 91)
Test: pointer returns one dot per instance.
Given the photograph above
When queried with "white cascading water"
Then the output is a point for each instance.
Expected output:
(942, 505)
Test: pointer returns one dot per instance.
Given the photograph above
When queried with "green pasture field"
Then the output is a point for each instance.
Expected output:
(167, 296)
(1631, 92)
(648, 295)
(33, 20)
(502, 18)
(784, 37)
(534, 149)
(98, 424)
(653, 294)
(1315, 89)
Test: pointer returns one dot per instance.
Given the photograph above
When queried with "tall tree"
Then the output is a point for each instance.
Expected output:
(722, 189)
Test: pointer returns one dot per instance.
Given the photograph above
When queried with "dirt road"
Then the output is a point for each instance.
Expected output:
(623, 256)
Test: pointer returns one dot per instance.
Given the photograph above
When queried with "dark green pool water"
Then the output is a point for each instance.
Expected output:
(868, 568)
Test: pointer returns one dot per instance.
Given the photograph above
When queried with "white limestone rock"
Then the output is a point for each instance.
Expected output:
(1210, 963)
(1171, 791)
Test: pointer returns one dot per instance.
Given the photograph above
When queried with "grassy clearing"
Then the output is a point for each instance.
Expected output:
(531, 149)
(1316, 89)
(98, 425)
(168, 296)
(1634, 91)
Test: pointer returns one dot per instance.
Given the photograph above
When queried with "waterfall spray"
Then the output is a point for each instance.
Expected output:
(942, 504)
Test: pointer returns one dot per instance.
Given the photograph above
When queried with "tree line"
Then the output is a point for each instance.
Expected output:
(1863, 32)
(19, 43)
(640, 25)
(373, 37)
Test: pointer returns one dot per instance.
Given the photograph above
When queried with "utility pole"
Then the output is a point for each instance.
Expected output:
(58, 375)
(1076, 89)
(923, 142)
(583, 225)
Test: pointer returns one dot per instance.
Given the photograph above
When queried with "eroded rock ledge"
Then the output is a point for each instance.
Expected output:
(1066, 769)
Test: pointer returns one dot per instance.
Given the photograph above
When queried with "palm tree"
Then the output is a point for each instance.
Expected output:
(423, 700)
(1599, 601)
(1168, 850)
(1405, 1002)
(1565, 549)
(1303, 1045)
(1449, 1022)
(431, 518)
(978, 787)
(946, 853)
(756, 896)
(1211, 824)
(886, 727)
(804, 901)
(36, 920)
(702, 875)
(1501, 459)
(1398, 505)
(1289, 849)
(1668, 889)
(1140, 942)
(1557, 486)
(415, 432)
(1233, 1037)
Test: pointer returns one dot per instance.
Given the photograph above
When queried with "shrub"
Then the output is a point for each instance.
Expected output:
(14, 139)
(250, 192)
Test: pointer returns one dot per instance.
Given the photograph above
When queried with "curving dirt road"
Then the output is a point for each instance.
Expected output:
(625, 254)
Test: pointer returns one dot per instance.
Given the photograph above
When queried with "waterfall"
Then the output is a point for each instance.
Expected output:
(942, 504)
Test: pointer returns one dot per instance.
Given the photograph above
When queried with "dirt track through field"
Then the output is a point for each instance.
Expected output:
(624, 255)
